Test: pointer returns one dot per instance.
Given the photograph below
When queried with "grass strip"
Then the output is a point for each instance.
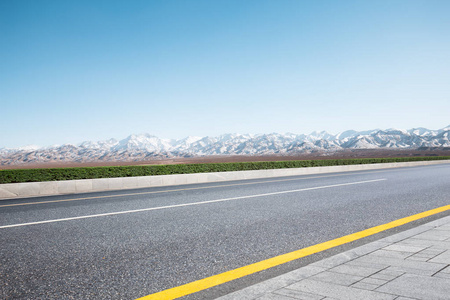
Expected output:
(58, 174)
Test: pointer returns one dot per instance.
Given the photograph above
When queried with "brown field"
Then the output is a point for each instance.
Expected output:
(357, 153)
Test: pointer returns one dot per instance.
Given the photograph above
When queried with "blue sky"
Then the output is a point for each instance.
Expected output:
(90, 70)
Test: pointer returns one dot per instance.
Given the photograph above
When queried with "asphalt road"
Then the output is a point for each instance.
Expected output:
(128, 244)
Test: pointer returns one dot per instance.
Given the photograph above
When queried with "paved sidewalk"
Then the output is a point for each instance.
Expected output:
(414, 264)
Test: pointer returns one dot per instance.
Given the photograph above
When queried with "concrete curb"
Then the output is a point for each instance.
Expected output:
(389, 268)
(33, 189)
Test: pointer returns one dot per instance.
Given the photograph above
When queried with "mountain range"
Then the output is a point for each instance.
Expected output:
(148, 147)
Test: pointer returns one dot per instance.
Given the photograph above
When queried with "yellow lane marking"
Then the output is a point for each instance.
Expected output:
(177, 190)
(218, 279)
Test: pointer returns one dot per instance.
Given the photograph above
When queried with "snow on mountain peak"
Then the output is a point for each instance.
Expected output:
(396, 131)
(29, 148)
(146, 146)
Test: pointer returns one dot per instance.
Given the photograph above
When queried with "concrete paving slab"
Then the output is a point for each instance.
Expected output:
(365, 286)
(442, 275)
(337, 278)
(429, 243)
(433, 235)
(387, 272)
(368, 248)
(336, 260)
(274, 297)
(404, 235)
(415, 267)
(404, 248)
(359, 263)
(274, 284)
(442, 228)
(418, 287)
(445, 270)
(394, 254)
(442, 222)
(383, 277)
(443, 258)
(374, 281)
(418, 258)
(337, 291)
(356, 270)
(304, 272)
(426, 255)
(416, 271)
(430, 252)
(297, 294)
(258, 290)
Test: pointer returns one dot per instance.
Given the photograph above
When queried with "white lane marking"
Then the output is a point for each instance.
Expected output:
(177, 190)
(190, 204)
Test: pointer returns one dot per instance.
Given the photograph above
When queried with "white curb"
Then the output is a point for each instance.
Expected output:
(33, 189)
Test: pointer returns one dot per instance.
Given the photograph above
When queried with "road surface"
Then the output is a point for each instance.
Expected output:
(128, 244)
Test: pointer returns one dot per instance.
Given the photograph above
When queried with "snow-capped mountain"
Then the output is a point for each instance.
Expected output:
(147, 147)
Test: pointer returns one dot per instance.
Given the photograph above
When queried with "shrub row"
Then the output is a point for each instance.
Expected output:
(54, 174)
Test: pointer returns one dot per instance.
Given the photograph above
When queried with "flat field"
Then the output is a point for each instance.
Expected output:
(356, 153)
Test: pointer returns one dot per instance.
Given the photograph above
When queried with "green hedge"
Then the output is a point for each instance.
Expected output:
(37, 175)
